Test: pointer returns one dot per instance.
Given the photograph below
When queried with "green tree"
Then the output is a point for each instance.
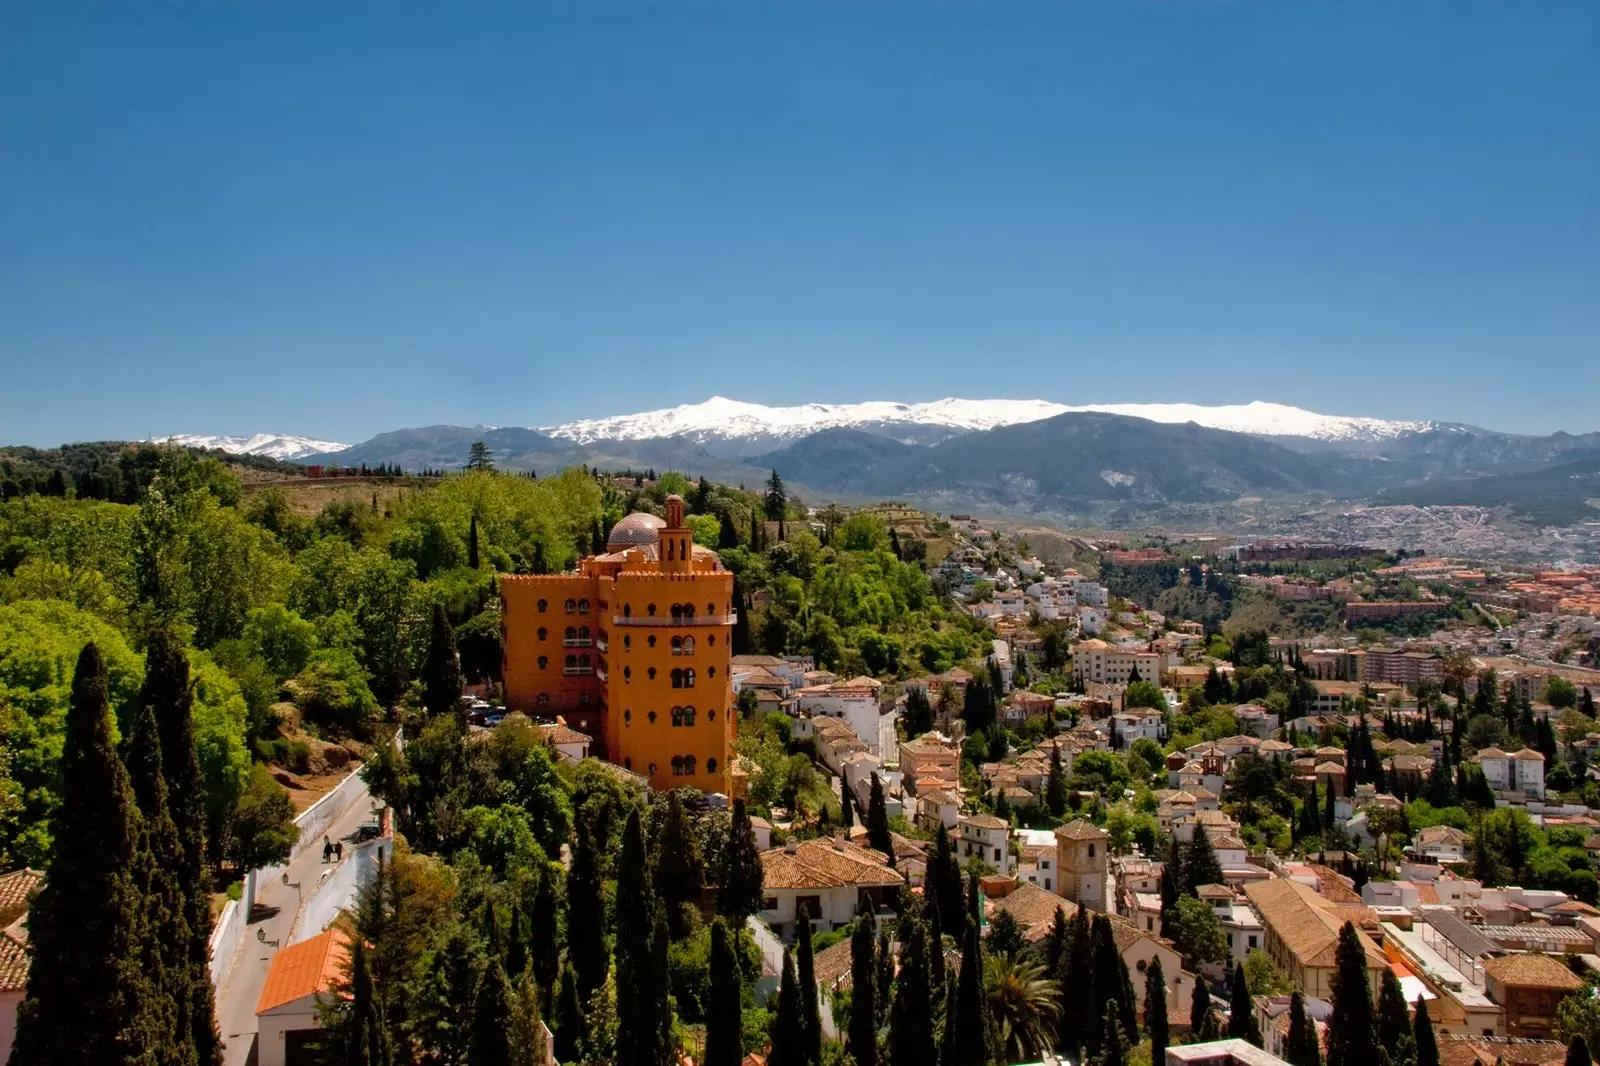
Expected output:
(1022, 1005)
(1394, 1017)
(262, 830)
(971, 1020)
(739, 895)
(544, 929)
(1303, 1048)
(366, 1039)
(862, 1040)
(644, 1010)
(569, 1019)
(1422, 1033)
(480, 459)
(1197, 933)
(942, 884)
(1155, 1011)
(1144, 694)
(679, 870)
(788, 1027)
(489, 1043)
(1351, 1036)
(1242, 1024)
(911, 1036)
(1055, 790)
(441, 672)
(806, 979)
(724, 1014)
(86, 1000)
(1114, 1049)
(1577, 1052)
(1199, 1009)
(586, 922)
(847, 809)
(878, 821)
(1200, 865)
(776, 503)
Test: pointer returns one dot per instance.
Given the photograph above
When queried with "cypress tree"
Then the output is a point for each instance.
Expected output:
(787, 1030)
(166, 686)
(862, 1041)
(972, 1028)
(1242, 1024)
(544, 929)
(1155, 1011)
(1394, 1018)
(644, 1012)
(847, 810)
(1327, 809)
(1055, 790)
(586, 912)
(911, 1014)
(947, 1035)
(1076, 970)
(441, 671)
(569, 1019)
(1302, 1048)
(516, 945)
(935, 947)
(1199, 1008)
(1109, 979)
(740, 893)
(489, 1043)
(885, 989)
(679, 873)
(1577, 1052)
(86, 1001)
(1056, 943)
(366, 1037)
(166, 934)
(1172, 883)
(878, 821)
(472, 542)
(806, 976)
(526, 1037)
(942, 884)
(724, 1009)
(1422, 1033)
(1200, 865)
(1115, 1051)
(1351, 1040)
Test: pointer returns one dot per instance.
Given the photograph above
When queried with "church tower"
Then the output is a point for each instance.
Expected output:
(676, 546)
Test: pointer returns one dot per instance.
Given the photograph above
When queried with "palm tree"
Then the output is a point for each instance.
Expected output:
(1023, 1004)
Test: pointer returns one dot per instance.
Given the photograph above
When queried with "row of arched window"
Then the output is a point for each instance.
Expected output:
(683, 645)
(679, 611)
(682, 765)
(681, 716)
(680, 645)
(573, 606)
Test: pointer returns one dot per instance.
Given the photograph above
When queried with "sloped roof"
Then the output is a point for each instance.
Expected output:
(16, 890)
(304, 969)
(830, 863)
(1304, 921)
(1082, 829)
(1531, 971)
(1034, 908)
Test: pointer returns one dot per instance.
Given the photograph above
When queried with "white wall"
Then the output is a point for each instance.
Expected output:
(338, 889)
(226, 934)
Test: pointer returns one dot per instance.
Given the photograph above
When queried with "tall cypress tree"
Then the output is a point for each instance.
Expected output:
(86, 998)
(1056, 943)
(1114, 1051)
(586, 911)
(786, 1031)
(862, 1041)
(1155, 1012)
(441, 671)
(1109, 979)
(806, 978)
(847, 807)
(489, 1043)
(1199, 1009)
(911, 1016)
(972, 1028)
(886, 969)
(1076, 971)
(569, 1020)
(947, 1033)
(1394, 1017)
(739, 895)
(878, 821)
(1351, 1037)
(935, 946)
(1242, 1024)
(1422, 1033)
(1578, 1052)
(644, 1011)
(544, 933)
(472, 542)
(366, 1038)
(679, 872)
(166, 686)
(1302, 1048)
(942, 884)
(1171, 882)
(724, 1008)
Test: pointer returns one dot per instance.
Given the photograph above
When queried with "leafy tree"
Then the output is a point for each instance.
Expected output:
(740, 892)
(441, 672)
(1197, 933)
(87, 998)
(1155, 1011)
(1144, 694)
(1351, 1035)
(1302, 1048)
(1263, 975)
(1114, 1050)
(724, 1021)
(1005, 935)
(262, 830)
(1242, 1024)
(862, 1039)
(644, 1011)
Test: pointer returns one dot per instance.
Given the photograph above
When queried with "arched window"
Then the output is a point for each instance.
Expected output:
(688, 645)
(711, 638)
(543, 662)
(677, 611)
(711, 765)
(627, 610)
(544, 605)
(711, 715)
(688, 679)
(677, 645)
(583, 632)
(652, 769)
(711, 671)
(652, 673)
(572, 605)
(571, 634)
(711, 608)
(627, 641)
(650, 610)
(651, 640)
(677, 766)
(627, 673)
(583, 606)
(652, 717)
(572, 661)
(544, 699)
(583, 661)
(627, 763)
(688, 765)
(677, 678)
(627, 717)
(543, 632)
(688, 716)
(669, 558)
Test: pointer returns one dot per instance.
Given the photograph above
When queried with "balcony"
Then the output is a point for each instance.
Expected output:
(600, 644)
(671, 623)
(576, 671)
(577, 642)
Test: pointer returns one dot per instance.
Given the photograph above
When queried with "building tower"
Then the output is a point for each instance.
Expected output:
(1081, 858)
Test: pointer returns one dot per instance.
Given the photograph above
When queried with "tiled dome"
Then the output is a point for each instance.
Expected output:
(635, 531)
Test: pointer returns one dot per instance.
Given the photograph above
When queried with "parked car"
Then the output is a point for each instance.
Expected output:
(477, 718)
(494, 719)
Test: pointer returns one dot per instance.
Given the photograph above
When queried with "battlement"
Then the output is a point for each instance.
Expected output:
(541, 579)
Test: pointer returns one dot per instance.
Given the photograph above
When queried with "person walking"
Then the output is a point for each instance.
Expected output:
(327, 850)
(338, 851)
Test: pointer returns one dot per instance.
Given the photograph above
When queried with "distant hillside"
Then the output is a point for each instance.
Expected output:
(105, 470)
(1556, 495)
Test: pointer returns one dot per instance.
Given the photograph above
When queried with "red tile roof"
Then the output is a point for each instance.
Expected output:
(305, 969)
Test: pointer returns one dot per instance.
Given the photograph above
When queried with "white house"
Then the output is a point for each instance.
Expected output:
(1519, 774)
(986, 837)
(854, 701)
(287, 1009)
(1136, 724)
(827, 877)
(1000, 651)
(1441, 843)
(570, 745)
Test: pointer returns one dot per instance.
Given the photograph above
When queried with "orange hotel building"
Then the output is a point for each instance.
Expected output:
(633, 648)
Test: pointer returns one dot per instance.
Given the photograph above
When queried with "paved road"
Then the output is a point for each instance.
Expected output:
(277, 910)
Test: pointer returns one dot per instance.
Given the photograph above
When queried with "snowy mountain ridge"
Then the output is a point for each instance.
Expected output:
(720, 418)
(272, 445)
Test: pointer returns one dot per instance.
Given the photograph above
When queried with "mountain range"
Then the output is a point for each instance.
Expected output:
(1026, 456)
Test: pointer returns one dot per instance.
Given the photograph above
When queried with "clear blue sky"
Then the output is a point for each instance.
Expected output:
(336, 218)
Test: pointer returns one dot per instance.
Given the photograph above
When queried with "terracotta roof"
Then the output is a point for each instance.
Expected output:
(1214, 892)
(16, 890)
(1034, 908)
(1531, 971)
(1458, 1050)
(829, 863)
(985, 821)
(1442, 834)
(1082, 829)
(1335, 887)
(832, 966)
(1528, 754)
(1274, 745)
(304, 969)
(1304, 921)
(563, 734)
(1575, 906)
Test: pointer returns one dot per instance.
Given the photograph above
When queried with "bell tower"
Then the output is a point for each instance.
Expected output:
(676, 545)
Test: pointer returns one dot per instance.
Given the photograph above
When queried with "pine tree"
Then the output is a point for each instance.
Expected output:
(441, 671)
(878, 821)
(86, 1000)
(679, 873)
(806, 977)
(787, 1031)
(740, 893)
(1422, 1033)
(1351, 1039)
(1155, 1011)
(972, 1027)
(644, 1011)
(586, 912)
(724, 1009)
(847, 810)
(569, 1020)
(1199, 1008)
(489, 1043)
(1242, 1024)
(862, 1042)
(167, 688)
(1302, 1048)
(911, 1014)
(165, 937)
(1200, 865)
(1394, 1017)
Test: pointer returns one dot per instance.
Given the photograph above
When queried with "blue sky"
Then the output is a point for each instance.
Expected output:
(340, 218)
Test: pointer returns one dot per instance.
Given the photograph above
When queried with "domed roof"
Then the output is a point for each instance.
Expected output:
(635, 531)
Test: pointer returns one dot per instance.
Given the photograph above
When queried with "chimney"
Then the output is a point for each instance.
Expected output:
(790, 846)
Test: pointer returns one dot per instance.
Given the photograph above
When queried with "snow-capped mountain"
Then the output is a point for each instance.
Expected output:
(272, 445)
(720, 419)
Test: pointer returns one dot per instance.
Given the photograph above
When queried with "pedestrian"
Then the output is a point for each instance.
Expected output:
(338, 851)
(327, 849)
